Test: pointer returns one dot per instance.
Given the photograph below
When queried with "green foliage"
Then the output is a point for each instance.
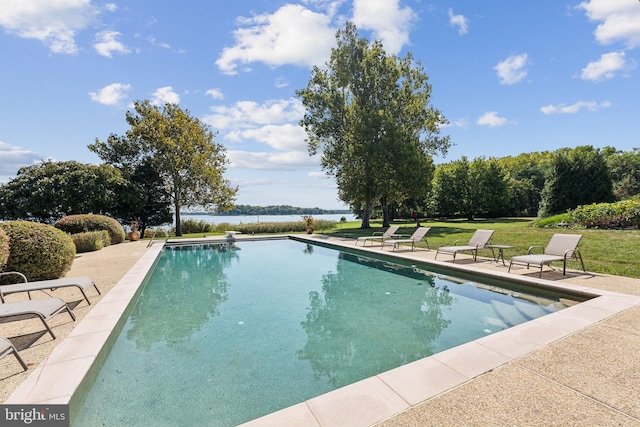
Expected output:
(73, 224)
(50, 190)
(146, 199)
(623, 214)
(4, 248)
(561, 220)
(624, 168)
(577, 177)
(526, 174)
(190, 226)
(38, 251)
(470, 189)
(180, 149)
(369, 114)
(90, 241)
(203, 227)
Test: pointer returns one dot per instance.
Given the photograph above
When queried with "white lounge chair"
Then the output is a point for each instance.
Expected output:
(378, 235)
(416, 237)
(44, 309)
(561, 247)
(82, 283)
(478, 241)
(6, 348)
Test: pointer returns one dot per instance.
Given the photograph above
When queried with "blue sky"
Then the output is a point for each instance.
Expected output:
(509, 76)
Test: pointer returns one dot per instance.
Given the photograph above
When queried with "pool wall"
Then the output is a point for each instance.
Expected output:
(366, 402)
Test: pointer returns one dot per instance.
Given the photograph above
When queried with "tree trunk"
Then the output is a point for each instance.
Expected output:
(386, 213)
(366, 215)
(176, 206)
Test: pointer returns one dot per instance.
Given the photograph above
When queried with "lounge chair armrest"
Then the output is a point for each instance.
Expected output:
(17, 273)
(530, 250)
(456, 242)
(481, 245)
(375, 233)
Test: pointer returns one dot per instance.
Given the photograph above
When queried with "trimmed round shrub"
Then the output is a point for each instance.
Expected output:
(4, 248)
(82, 223)
(90, 241)
(38, 251)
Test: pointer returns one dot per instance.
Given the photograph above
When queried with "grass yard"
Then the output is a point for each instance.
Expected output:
(604, 251)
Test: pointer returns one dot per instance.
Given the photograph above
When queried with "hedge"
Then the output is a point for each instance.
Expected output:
(82, 223)
(39, 251)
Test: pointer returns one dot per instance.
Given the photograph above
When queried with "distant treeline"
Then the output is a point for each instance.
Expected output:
(274, 210)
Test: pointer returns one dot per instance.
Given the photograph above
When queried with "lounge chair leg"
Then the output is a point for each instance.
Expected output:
(20, 359)
(46, 325)
(85, 296)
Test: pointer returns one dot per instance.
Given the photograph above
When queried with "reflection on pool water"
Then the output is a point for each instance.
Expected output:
(220, 336)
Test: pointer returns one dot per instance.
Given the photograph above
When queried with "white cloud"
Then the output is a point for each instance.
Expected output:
(389, 23)
(606, 67)
(106, 44)
(512, 70)
(574, 108)
(458, 21)
(620, 20)
(165, 95)
(278, 161)
(215, 93)
(249, 114)
(13, 158)
(291, 35)
(491, 118)
(112, 94)
(287, 137)
(281, 82)
(54, 23)
(272, 124)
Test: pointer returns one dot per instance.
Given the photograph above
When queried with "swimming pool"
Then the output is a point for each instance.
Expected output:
(274, 323)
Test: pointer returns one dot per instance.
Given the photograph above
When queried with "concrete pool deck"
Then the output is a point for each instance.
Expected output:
(576, 367)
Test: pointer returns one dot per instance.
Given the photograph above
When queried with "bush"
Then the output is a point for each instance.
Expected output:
(38, 251)
(190, 226)
(90, 241)
(4, 248)
(74, 224)
(560, 220)
(623, 214)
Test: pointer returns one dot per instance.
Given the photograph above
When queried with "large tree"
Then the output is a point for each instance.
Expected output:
(48, 191)
(148, 202)
(470, 189)
(368, 114)
(624, 167)
(577, 176)
(182, 151)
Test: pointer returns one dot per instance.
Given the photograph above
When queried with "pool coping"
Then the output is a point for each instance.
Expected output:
(363, 403)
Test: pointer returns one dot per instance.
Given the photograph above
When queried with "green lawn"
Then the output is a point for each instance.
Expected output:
(604, 251)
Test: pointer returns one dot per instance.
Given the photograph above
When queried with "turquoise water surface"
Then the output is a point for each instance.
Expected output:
(222, 336)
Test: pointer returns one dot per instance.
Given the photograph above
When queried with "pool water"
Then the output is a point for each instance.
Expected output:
(220, 336)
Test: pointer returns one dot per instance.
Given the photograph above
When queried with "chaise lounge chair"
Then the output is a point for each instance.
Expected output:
(378, 235)
(416, 237)
(6, 348)
(478, 241)
(561, 247)
(44, 309)
(82, 283)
